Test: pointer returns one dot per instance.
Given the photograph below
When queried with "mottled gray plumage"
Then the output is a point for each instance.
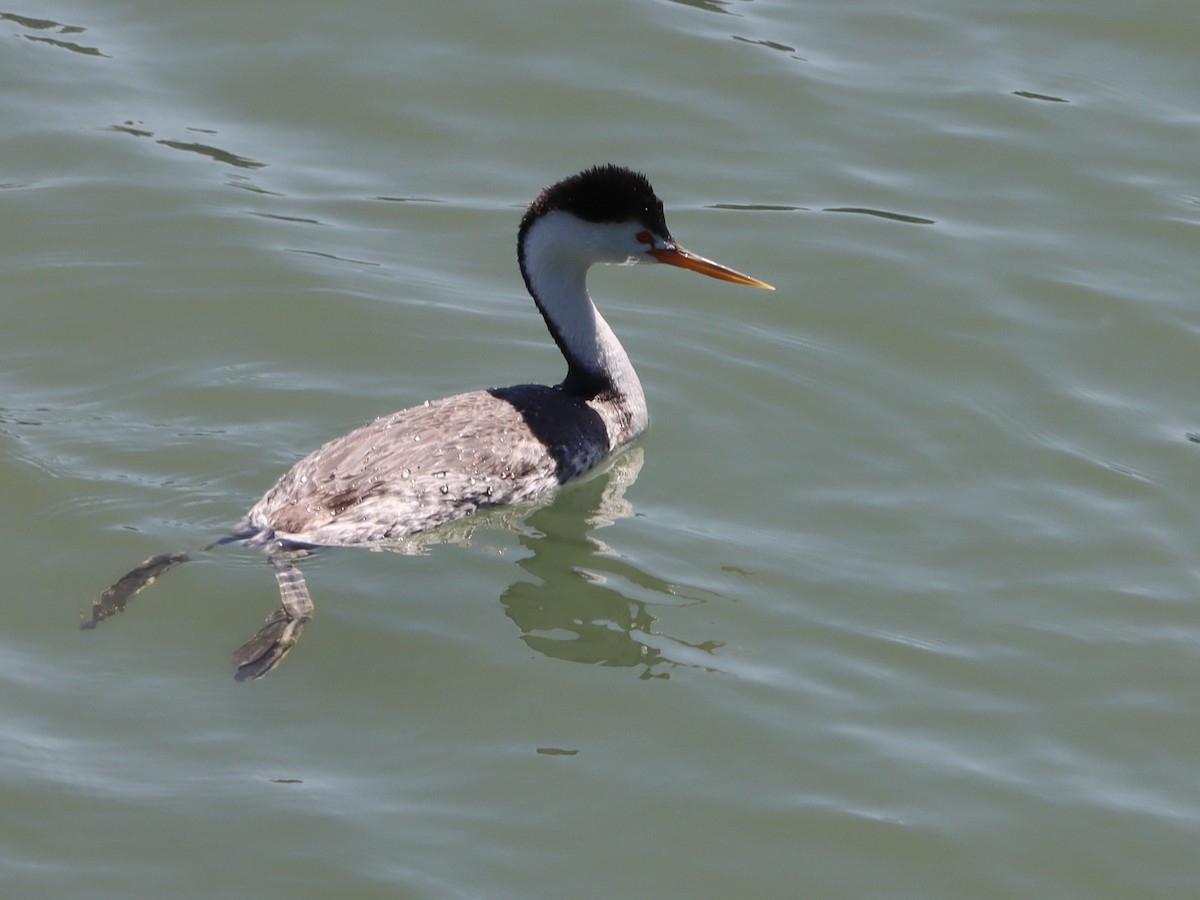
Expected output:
(431, 464)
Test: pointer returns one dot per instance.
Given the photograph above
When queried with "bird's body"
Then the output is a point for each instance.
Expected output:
(421, 467)
(430, 464)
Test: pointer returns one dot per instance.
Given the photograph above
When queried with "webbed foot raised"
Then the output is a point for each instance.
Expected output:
(113, 600)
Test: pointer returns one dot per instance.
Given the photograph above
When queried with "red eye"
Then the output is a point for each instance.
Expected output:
(645, 237)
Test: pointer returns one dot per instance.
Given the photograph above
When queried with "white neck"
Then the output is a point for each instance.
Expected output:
(556, 253)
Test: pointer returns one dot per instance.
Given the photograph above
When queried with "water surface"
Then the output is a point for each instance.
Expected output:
(897, 597)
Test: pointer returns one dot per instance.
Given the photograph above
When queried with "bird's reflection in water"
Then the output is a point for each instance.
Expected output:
(573, 608)
(585, 603)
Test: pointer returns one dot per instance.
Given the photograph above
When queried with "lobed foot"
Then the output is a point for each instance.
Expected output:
(113, 600)
(269, 646)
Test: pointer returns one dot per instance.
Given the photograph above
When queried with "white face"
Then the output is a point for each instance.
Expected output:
(559, 249)
(616, 243)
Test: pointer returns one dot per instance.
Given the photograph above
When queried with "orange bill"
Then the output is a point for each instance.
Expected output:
(674, 255)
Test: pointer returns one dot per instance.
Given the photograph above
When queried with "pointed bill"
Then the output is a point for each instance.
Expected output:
(674, 255)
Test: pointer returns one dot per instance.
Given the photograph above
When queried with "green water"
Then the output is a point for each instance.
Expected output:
(898, 597)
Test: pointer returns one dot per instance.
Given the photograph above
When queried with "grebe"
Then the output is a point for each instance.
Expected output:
(421, 467)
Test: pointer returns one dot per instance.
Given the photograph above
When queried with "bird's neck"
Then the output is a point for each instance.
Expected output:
(555, 256)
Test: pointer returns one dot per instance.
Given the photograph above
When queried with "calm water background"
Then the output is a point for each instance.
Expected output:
(899, 597)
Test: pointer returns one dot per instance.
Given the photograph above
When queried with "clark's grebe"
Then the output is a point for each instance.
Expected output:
(421, 467)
